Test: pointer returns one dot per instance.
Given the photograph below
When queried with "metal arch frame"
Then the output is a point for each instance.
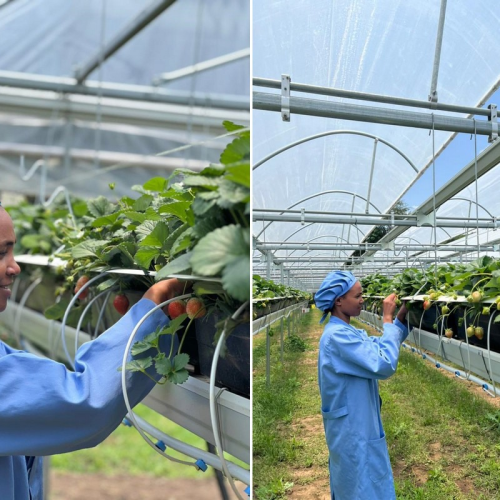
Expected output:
(332, 132)
(354, 195)
(330, 191)
(304, 227)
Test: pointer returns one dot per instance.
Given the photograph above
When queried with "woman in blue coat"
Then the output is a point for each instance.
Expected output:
(45, 408)
(349, 367)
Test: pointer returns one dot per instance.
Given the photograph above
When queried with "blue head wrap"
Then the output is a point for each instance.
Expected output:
(335, 285)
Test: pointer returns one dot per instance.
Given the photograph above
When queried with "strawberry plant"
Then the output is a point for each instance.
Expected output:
(194, 223)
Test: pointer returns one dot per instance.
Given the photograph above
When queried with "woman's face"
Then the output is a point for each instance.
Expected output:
(8, 266)
(351, 303)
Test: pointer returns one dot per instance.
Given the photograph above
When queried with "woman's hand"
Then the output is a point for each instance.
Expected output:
(389, 307)
(402, 313)
(166, 290)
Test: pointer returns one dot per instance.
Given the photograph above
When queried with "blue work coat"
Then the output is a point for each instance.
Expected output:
(47, 409)
(349, 367)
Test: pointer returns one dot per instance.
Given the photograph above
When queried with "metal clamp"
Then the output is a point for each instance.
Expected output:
(494, 122)
(302, 216)
(388, 246)
(433, 100)
(285, 97)
(425, 220)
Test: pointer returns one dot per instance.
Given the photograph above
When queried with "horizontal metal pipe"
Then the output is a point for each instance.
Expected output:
(327, 258)
(122, 91)
(353, 214)
(377, 247)
(367, 221)
(342, 111)
(193, 69)
(363, 96)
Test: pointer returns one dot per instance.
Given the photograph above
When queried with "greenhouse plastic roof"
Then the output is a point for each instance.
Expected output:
(381, 47)
(49, 40)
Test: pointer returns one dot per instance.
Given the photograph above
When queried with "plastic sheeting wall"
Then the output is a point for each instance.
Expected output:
(384, 47)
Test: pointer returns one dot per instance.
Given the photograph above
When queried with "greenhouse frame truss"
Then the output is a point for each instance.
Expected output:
(424, 215)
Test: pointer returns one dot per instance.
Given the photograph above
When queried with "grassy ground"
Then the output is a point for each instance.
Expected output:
(444, 441)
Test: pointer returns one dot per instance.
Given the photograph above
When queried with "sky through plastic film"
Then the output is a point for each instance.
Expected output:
(53, 37)
(384, 47)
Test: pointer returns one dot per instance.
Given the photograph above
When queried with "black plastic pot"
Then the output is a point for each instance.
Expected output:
(481, 321)
(424, 319)
(233, 369)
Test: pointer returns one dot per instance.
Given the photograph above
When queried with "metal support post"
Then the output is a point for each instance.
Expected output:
(122, 37)
(349, 230)
(282, 274)
(268, 356)
(281, 333)
(268, 265)
(367, 210)
(433, 97)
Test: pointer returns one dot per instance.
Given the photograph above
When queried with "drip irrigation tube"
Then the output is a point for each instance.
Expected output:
(141, 425)
(213, 412)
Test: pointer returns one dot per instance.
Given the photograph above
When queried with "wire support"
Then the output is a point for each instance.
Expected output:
(213, 411)
(26, 176)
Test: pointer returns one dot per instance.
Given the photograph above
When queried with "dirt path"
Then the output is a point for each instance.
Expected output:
(66, 486)
(311, 481)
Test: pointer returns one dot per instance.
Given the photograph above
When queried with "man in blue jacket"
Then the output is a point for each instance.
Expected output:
(45, 408)
(349, 367)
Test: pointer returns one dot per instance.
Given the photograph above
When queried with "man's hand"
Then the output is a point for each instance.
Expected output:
(166, 290)
(389, 307)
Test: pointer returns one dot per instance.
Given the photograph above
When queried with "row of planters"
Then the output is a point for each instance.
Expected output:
(269, 297)
(194, 224)
(459, 301)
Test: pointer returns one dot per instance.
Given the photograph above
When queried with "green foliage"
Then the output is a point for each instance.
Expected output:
(295, 343)
(263, 289)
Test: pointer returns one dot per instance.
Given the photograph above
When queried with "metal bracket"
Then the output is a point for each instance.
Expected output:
(392, 218)
(302, 216)
(494, 122)
(433, 100)
(388, 246)
(425, 220)
(285, 97)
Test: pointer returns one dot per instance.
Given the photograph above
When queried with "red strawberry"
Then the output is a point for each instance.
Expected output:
(81, 281)
(121, 304)
(176, 308)
(427, 305)
(195, 308)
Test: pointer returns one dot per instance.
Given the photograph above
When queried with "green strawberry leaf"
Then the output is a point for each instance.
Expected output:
(219, 248)
(176, 266)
